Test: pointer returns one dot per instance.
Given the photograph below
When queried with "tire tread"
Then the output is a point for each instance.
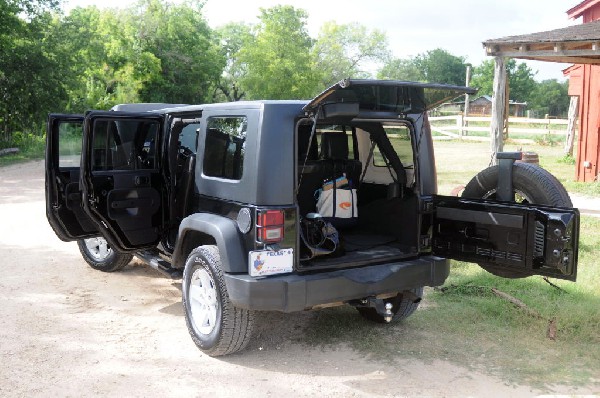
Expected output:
(236, 323)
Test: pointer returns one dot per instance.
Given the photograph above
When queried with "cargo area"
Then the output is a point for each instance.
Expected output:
(356, 194)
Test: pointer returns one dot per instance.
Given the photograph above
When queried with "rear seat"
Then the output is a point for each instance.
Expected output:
(334, 152)
(333, 162)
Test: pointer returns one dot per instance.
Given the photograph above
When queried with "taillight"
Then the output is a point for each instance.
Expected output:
(269, 226)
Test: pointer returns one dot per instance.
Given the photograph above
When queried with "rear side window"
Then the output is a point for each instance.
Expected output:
(224, 147)
(399, 137)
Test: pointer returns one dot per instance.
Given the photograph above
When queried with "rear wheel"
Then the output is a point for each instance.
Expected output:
(100, 256)
(531, 184)
(216, 326)
(403, 305)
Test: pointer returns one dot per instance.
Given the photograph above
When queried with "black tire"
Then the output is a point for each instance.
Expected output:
(402, 307)
(531, 184)
(217, 331)
(100, 256)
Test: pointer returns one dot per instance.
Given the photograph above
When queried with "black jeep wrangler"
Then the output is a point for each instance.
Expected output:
(295, 205)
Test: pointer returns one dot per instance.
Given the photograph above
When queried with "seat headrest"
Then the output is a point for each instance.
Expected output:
(304, 131)
(334, 146)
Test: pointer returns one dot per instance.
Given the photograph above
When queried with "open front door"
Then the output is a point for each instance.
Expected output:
(63, 197)
(121, 181)
(507, 239)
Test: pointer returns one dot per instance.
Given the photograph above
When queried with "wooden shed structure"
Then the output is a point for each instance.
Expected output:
(578, 44)
(584, 83)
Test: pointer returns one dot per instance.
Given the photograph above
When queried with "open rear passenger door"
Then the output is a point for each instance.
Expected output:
(63, 197)
(120, 177)
(507, 239)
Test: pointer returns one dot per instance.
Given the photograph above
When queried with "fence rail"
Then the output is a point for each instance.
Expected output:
(459, 127)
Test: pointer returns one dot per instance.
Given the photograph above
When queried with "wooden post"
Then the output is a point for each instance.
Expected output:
(498, 111)
(506, 109)
(465, 124)
(573, 105)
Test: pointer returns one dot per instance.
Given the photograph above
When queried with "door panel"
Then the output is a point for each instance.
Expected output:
(122, 183)
(523, 239)
(63, 196)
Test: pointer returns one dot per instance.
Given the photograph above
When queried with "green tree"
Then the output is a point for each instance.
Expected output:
(400, 69)
(190, 57)
(233, 38)
(343, 51)
(550, 97)
(439, 66)
(520, 79)
(106, 65)
(29, 76)
(278, 62)
(435, 66)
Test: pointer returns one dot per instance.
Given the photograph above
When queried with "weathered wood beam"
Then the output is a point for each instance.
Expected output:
(573, 105)
(587, 52)
(498, 103)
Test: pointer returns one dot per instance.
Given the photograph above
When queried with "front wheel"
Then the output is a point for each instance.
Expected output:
(216, 326)
(403, 305)
(100, 256)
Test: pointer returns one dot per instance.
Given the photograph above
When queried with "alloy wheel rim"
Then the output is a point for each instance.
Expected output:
(98, 248)
(520, 196)
(203, 301)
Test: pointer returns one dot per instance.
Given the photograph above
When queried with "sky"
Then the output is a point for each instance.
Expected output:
(412, 27)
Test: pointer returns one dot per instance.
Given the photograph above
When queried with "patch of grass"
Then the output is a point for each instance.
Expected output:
(470, 326)
(31, 147)
(567, 159)
(547, 140)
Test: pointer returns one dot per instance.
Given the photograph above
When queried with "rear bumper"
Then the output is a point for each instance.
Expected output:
(295, 292)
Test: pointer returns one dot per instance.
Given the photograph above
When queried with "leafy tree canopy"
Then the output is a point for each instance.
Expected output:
(342, 51)
(550, 97)
(277, 61)
(435, 66)
(520, 79)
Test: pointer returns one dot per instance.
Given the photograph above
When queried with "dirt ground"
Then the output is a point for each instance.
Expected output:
(68, 330)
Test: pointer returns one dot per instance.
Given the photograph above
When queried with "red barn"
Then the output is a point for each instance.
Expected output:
(584, 82)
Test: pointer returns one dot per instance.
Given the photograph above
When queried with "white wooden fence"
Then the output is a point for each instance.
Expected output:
(453, 127)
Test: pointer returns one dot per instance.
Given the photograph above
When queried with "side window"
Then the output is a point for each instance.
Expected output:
(224, 147)
(188, 137)
(124, 144)
(69, 144)
(399, 136)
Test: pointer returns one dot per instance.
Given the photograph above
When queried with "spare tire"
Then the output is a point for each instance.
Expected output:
(531, 184)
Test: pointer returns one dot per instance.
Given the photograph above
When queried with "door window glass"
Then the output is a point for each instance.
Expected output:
(188, 137)
(124, 144)
(224, 147)
(69, 143)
